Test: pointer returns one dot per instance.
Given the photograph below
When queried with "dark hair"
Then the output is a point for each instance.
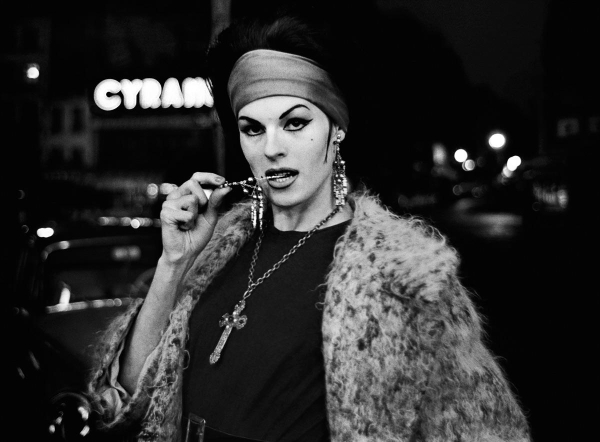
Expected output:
(284, 30)
(306, 30)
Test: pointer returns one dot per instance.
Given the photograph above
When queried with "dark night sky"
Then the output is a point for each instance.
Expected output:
(497, 41)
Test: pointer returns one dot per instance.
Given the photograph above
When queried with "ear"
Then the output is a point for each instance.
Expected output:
(338, 133)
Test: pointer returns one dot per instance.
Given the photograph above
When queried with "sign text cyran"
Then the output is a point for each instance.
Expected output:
(148, 93)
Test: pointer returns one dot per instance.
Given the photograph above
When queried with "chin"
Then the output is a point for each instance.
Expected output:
(297, 195)
(284, 201)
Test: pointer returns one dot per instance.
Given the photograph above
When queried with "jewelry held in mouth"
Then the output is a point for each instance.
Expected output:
(249, 182)
(282, 178)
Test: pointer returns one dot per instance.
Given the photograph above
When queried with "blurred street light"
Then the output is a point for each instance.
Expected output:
(439, 154)
(469, 165)
(497, 140)
(32, 72)
(45, 232)
(513, 162)
(461, 155)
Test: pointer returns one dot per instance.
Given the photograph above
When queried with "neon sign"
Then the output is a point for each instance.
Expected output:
(148, 93)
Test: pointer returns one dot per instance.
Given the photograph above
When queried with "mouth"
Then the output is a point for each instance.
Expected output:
(280, 178)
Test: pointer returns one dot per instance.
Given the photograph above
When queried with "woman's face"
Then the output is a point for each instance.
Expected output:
(287, 137)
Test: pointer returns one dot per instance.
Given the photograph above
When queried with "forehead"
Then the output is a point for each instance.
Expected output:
(275, 106)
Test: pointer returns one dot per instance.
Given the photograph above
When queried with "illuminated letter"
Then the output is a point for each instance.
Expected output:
(171, 94)
(130, 90)
(150, 94)
(195, 93)
(101, 98)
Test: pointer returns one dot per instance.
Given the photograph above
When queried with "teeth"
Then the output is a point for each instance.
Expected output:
(279, 176)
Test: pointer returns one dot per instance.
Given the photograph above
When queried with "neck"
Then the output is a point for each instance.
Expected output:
(298, 219)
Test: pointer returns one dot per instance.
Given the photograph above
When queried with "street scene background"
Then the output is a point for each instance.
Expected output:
(484, 120)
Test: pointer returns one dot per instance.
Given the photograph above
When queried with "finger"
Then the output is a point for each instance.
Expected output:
(195, 183)
(190, 202)
(187, 221)
(208, 179)
(184, 210)
(193, 202)
(215, 200)
(217, 196)
(183, 219)
(203, 184)
(185, 189)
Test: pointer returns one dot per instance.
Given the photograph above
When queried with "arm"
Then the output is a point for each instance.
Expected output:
(188, 220)
(151, 321)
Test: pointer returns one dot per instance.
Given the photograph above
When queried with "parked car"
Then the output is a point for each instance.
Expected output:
(68, 288)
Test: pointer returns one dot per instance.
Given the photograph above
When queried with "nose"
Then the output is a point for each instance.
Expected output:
(274, 146)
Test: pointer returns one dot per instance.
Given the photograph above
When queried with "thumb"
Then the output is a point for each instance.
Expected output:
(214, 202)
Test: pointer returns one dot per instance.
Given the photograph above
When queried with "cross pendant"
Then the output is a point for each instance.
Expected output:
(229, 322)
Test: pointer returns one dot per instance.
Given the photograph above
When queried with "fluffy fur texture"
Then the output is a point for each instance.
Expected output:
(404, 353)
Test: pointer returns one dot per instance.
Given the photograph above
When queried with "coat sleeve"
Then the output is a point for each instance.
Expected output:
(110, 401)
(155, 405)
(154, 408)
(466, 395)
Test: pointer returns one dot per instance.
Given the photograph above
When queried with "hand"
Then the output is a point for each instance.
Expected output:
(189, 217)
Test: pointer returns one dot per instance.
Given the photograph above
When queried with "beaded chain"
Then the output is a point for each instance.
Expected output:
(236, 319)
(251, 284)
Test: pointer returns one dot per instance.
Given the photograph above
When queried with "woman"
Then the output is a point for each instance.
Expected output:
(306, 313)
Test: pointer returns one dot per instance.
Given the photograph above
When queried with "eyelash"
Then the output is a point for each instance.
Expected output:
(298, 121)
(258, 129)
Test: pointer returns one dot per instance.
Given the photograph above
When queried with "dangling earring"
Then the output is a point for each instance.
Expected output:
(258, 206)
(340, 182)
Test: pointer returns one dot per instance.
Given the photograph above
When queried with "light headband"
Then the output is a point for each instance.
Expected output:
(265, 73)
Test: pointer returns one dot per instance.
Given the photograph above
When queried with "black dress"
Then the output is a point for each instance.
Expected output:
(269, 383)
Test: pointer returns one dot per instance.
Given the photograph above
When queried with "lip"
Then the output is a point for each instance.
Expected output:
(281, 183)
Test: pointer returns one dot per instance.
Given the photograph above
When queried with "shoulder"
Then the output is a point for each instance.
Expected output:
(376, 230)
(399, 255)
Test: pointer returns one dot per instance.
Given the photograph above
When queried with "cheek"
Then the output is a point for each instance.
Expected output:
(250, 154)
(320, 151)
(321, 162)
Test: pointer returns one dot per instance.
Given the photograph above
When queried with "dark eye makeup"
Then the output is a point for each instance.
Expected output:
(254, 128)
(251, 129)
(296, 123)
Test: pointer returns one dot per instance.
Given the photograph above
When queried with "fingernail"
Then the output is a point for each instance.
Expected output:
(219, 179)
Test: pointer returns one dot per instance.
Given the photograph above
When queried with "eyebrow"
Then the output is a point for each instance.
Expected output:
(283, 115)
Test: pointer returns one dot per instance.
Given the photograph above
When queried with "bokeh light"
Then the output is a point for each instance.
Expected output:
(45, 232)
(497, 140)
(460, 155)
(513, 162)
(32, 71)
(469, 165)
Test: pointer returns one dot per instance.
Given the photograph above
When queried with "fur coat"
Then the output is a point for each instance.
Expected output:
(404, 351)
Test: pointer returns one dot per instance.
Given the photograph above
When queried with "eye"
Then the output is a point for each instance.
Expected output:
(252, 130)
(294, 124)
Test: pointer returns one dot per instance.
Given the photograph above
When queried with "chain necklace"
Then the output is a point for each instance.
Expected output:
(237, 321)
